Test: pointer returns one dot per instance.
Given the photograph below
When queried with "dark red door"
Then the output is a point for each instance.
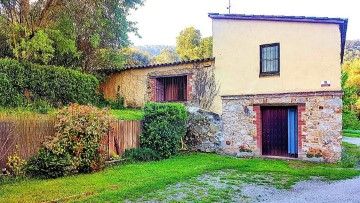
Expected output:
(275, 131)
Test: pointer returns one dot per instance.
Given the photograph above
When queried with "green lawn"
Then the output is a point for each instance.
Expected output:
(23, 111)
(351, 133)
(352, 150)
(132, 181)
(128, 114)
(123, 114)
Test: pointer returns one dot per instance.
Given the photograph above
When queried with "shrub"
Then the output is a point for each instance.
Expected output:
(350, 121)
(45, 83)
(41, 107)
(118, 103)
(113, 104)
(47, 164)
(78, 145)
(348, 160)
(163, 127)
(8, 94)
(114, 156)
(15, 164)
(141, 154)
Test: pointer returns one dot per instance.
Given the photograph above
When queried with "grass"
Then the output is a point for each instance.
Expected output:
(128, 114)
(352, 150)
(123, 114)
(350, 155)
(23, 111)
(132, 181)
(351, 133)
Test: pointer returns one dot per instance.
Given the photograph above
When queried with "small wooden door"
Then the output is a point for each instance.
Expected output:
(277, 132)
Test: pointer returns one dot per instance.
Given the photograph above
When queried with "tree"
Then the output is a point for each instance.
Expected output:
(187, 44)
(135, 57)
(190, 45)
(206, 47)
(166, 56)
(351, 83)
(75, 29)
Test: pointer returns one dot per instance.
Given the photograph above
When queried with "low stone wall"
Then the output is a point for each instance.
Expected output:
(319, 122)
(204, 131)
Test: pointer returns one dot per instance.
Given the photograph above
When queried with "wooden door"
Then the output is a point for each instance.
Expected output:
(275, 131)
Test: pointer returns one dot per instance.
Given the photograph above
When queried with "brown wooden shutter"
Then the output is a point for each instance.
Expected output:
(160, 90)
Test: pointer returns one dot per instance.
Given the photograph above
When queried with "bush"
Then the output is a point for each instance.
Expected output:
(141, 154)
(40, 107)
(113, 104)
(78, 146)
(118, 103)
(163, 127)
(350, 121)
(8, 94)
(15, 164)
(45, 83)
(348, 160)
(47, 164)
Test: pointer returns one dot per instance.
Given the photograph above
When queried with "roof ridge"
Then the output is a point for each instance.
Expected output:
(270, 17)
(175, 63)
(170, 63)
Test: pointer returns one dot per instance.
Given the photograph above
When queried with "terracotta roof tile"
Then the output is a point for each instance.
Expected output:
(177, 63)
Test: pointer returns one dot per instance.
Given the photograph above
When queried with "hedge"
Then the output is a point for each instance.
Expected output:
(46, 83)
(164, 125)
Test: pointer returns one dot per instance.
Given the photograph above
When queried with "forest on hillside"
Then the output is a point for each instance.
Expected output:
(154, 50)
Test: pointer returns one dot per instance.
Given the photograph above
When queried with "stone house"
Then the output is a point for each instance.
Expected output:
(169, 82)
(280, 84)
(280, 80)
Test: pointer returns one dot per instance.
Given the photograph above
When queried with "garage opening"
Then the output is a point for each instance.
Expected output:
(279, 131)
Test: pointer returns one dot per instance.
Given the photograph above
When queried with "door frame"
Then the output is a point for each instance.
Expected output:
(300, 107)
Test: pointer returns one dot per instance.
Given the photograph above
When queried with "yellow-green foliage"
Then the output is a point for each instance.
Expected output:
(15, 163)
(352, 68)
(190, 45)
(114, 156)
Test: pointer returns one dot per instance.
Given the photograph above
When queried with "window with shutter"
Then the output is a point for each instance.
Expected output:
(171, 88)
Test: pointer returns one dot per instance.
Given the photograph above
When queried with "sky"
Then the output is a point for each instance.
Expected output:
(160, 21)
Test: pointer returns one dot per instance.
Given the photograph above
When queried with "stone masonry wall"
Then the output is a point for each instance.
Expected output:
(204, 131)
(319, 122)
(191, 74)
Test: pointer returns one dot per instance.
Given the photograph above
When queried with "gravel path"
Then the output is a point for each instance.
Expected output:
(352, 140)
(308, 191)
(229, 186)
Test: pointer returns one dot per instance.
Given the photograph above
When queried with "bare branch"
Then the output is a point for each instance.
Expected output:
(206, 89)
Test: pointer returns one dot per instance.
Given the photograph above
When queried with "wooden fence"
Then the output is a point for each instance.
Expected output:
(125, 135)
(29, 133)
